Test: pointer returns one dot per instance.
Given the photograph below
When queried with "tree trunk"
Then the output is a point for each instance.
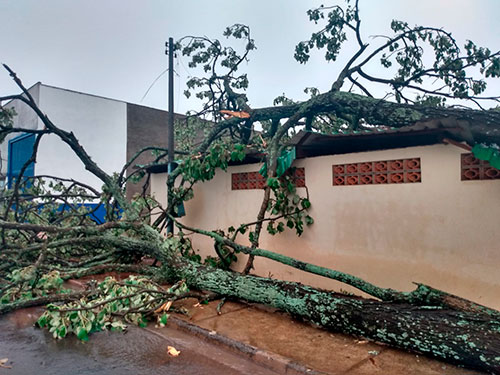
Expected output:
(483, 125)
(463, 338)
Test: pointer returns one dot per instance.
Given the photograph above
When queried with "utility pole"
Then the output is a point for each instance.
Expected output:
(170, 129)
(170, 125)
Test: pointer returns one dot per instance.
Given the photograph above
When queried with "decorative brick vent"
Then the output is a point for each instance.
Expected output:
(378, 172)
(475, 169)
(254, 180)
(247, 180)
(299, 177)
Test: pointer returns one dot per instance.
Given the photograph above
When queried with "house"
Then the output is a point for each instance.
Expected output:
(110, 130)
(392, 207)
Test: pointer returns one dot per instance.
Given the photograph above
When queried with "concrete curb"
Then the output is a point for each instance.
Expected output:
(272, 361)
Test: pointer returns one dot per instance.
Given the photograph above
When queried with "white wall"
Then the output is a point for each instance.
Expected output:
(99, 124)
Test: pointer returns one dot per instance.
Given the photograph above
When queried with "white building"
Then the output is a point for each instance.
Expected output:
(110, 130)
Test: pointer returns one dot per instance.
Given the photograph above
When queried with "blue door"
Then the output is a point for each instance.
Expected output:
(20, 150)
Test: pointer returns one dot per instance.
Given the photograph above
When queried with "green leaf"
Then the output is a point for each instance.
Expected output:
(270, 228)
(280, 227)
(62, 332)
(88, 326)
(163, 319)
(234, 156)
(273, 182)
(306, 203)
(117, 326)
(42, 321)
(73, 316)
(82, 334)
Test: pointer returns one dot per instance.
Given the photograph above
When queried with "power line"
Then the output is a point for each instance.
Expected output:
(153, 83)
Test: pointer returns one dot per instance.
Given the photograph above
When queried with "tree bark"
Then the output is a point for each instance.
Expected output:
(463, 338)
(483, 125)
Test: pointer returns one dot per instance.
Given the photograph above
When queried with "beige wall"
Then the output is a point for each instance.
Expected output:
(442, 231)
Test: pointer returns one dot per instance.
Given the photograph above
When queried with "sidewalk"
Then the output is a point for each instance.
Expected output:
(287, 346)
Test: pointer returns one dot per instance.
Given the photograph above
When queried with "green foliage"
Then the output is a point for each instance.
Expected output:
(199, 168)
(6, 121)
(46, 201)
(137, 177)
(219, 64)
(225, 255)
(449, 65)
(331, 36)
(217, 262)
(238, 154)
(6, 117)
(406, 52)
(489, 62)
(286, 206)
(203, 168)
(111, 306)
(143, 205)
(188, 131)
(430, 101)
(184, 246)
(27, 285)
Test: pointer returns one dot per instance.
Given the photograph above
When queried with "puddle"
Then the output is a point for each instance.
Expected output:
(33, 351)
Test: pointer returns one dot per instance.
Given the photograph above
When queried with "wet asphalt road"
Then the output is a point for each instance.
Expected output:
(33, 351)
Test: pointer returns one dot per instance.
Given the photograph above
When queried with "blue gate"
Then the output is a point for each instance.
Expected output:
(20, 150)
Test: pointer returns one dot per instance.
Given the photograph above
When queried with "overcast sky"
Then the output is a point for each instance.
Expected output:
(115, 48)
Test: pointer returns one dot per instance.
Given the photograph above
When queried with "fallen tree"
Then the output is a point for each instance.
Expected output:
(43, 245)
(428, 326)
